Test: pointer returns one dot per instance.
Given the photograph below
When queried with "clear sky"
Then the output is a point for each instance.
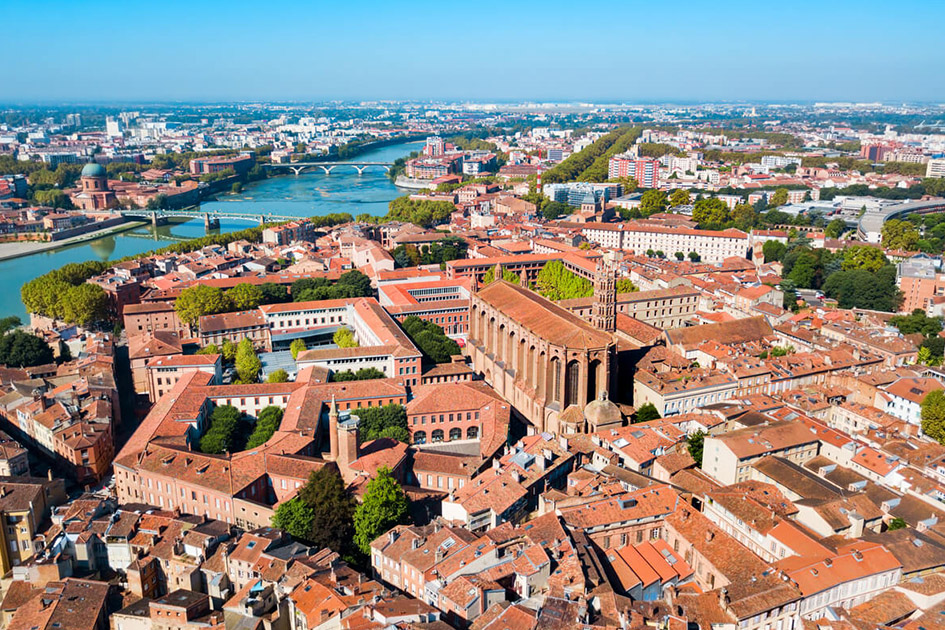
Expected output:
(803, 50)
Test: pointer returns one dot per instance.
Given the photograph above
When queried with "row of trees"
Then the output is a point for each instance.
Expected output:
(421, 212)
(438, 252)
(430, 339)
(555, 282)
(364, 374)
(350, 284)
(591, 163)
(389, 421)
(65, 295)
(220, 436)
(267, 422)
(199, 300)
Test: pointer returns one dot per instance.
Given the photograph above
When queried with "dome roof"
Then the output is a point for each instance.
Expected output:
(94, 170)
(602, 412)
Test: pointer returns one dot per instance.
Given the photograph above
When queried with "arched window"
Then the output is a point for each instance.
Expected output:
(592, 379)
(419, 437)
(555, 379)
(456, 433)
(437, 436)
(472, 433)
(501, 351)
(531, 366)
(571, 384)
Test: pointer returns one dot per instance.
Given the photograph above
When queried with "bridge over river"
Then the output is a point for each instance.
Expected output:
(210, 219)
(328, 167)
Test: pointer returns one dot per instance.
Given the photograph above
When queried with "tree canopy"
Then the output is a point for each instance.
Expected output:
(221, 434)
(267, 422)
(344, 338)
(933, 415)
(199, 300)
(387, 421)
(555, 282)
(384, 505)
(646, 413)
(430, 339)
(245, 296)
(21, 349)
(248, 364)
(322, 514)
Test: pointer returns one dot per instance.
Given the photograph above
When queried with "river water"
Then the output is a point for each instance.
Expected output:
(310, 194)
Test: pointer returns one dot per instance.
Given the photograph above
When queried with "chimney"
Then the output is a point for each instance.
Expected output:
(333, 428)
(709, 535)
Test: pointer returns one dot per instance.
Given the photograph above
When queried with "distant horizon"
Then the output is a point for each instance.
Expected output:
(295, 52)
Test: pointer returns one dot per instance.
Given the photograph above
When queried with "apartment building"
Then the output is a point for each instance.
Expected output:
(728, 457)
(712, 246)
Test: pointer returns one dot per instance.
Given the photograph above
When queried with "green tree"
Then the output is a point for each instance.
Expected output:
(896, 523)
(297, 347)
(744, 217)
(21, 349)
(374, 421)
(199, 300)
(228, 350)
(695, 443)
(779, 198)
(384, 506)
(9, 323)
(863, 257)
(554, 209)
(861, 289)
(625, 285)
(835, 228)
(933, 415)
(248, 364)
(710, 212)
(245, 296)
(507, 275)
(653, 201)
(267, 422)
(344, 338)
(556, 282)
(431, 339)
(679, 197)
(274, 293)
(278, 376)
(899, 234)
(364, 374)
(694, 257)
(646, 413)
(220, 435)
(295, 517)
(332, 508)
(84, 304)
(917, 322)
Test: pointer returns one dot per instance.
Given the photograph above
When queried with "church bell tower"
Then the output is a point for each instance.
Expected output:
(604, 313)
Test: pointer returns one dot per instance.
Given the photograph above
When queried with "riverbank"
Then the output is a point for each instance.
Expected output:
(409, 183)
(19, 249)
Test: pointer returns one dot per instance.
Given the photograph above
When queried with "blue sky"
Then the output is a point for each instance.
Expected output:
(488, 50)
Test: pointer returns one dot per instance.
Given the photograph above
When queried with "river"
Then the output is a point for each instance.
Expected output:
(310, 194)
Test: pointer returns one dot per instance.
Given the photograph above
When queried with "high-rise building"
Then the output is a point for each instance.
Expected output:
(935, 168)
(645, 170)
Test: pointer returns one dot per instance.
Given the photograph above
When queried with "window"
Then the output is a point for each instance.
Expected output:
(456, 434)
(419, 437)
(437, 435)
(472, 433)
